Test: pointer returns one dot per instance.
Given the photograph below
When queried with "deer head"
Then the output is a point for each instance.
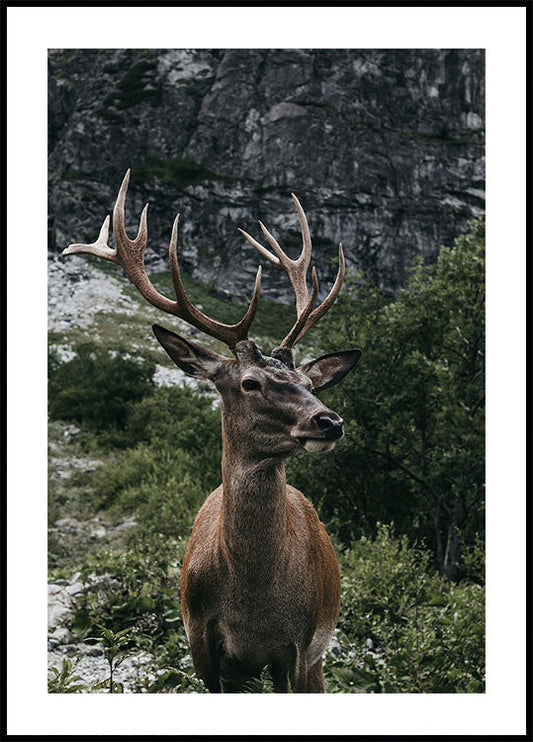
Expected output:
(273, 403)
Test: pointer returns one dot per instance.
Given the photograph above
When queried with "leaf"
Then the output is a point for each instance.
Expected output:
(173, 615)
(100, 684)
(355, 680)
(123, 633)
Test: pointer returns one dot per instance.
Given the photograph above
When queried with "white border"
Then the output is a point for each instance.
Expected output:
(31, 31)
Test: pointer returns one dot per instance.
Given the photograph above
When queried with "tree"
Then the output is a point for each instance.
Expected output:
(414, 408)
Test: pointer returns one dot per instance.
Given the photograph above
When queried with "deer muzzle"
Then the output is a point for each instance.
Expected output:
(330, 424)
(321, 433)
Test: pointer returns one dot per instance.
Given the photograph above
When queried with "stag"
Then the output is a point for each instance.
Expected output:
(260, 582)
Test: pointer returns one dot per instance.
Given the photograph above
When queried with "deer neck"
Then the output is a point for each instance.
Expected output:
(254, 507)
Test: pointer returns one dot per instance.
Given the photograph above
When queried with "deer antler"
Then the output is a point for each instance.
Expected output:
(130, 255)
(297, 272)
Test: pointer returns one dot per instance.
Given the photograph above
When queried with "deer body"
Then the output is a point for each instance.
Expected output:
(270, 600)
(260, 582)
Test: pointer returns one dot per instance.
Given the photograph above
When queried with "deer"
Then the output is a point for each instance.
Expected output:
(260, 582)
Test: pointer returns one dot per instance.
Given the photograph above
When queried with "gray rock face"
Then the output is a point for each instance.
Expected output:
(384, 148)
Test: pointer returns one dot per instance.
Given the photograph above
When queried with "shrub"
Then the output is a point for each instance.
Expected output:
(160, 485)
(133, 587)
(97, 388)
(164, 478)
(403, 627)
(177, 418)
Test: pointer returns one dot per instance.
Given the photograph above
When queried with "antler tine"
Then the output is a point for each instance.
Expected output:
(230, 334)
(297, 272)
(321, 310)
(130, 255)
(100, 248)
(305, 255)
(295, 269)
(297, 329)
(258, 246)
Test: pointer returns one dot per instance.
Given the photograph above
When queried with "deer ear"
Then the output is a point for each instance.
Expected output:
(192, 358)
(331, 368)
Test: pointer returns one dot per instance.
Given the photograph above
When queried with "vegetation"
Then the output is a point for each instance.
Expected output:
(405, 629)
(414, 408)
(402, 496)
(97, 387)
(65, 680)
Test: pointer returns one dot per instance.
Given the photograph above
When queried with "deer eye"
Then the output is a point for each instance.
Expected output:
(249, 385)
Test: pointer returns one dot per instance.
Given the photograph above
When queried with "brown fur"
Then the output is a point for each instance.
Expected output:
(260, 582)
(271, 598)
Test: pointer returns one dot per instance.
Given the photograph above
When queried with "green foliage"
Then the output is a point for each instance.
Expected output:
(162, 486)
(262, 684)
(115, 652)
(472, 563)
(174, 680)
(181, 419)
(413, 408)
(97, 387)
(136, 588)
(132, 587)
(404, 628)
(166, 476)
(64, 680)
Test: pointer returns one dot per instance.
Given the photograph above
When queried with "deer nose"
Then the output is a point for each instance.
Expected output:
(330, 424)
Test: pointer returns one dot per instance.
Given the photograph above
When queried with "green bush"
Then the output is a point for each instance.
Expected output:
(158, 484)
(97, 387)
(404, 628)
(136, 586)
(65, 680)
(134, 591)
(181, 419)
(165, 477)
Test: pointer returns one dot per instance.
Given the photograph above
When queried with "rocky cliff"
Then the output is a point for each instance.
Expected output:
(384, 148)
